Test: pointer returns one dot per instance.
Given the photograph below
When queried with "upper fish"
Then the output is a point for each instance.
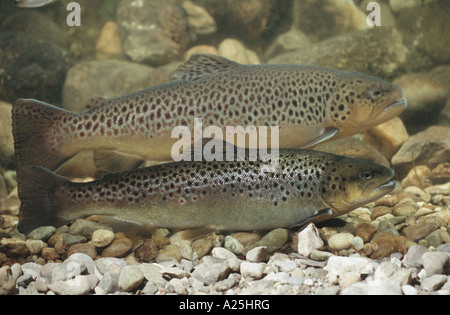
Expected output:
(33, 3)
(310, 104)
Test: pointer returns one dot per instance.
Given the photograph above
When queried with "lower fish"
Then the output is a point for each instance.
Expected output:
(33, 3)
(306, 186)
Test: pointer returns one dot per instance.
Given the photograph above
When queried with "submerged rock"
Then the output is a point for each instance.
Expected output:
(430, 147)
(31, 68)
(152, 31)
(377, 51)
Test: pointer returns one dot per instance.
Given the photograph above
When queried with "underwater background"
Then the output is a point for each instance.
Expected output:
(123, 46)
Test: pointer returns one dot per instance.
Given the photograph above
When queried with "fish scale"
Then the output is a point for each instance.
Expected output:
(309, 104)
(219, 195)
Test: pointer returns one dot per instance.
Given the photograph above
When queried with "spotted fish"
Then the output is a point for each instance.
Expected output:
(218, 195)
(33, 3)
(310, 104)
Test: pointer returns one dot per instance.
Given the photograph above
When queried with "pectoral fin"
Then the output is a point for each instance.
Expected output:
(115, 162)
(320, 215)
(326, 134)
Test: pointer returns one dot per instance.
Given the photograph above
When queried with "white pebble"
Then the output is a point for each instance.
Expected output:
(340, 241)
(252, 270)
(358, 243)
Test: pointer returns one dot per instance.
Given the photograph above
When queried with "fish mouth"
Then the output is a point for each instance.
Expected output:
(380, 190)
(400, 104)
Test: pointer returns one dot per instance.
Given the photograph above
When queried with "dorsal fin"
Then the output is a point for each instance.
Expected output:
(201, 65)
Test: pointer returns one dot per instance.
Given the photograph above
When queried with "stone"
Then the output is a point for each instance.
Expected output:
(378, 51)
(257, 254)
(246, 238)
(293, 39)
(174, 272)
(419, 231)
(212, 273)
(147, 251)
(120, 246)
(255, 17)
(169, 253)
(433, 283)
(199, 20)
(436, 263)
(399, 5)
(205, 244)
(407, 208)
(426, 98)
(325, 18)
(35, 246)
(130, 278)
(200, 49)
(387, 244)
(79, 285)
(110, 264)
(108, 78)
(7, 281)
(252, 270)
(340, 241)
(102, 238)
(414, 257)
(409, 290)
(86, 228)
(152, 31)
(84, 248)
(358, 243)
(49, 253)
(274, 240)
(31, 68)
(233, 245)
(42, 233)
(391, 272)
(152, 273)
(430, 147)
(180, 286)
(109, 283)
(309, 240)
(236, 51)
(375, 287)
(339, 265)
(223, 253)
(365, 231)
(387, 137)
(108, 43)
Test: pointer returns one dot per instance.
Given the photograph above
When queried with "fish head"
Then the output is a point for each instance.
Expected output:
(350, 183)
(361, 102)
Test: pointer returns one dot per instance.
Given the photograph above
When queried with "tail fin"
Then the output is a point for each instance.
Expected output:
(35, 142)
(39, 207)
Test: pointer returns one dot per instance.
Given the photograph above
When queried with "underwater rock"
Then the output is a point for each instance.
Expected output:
(236, 51)
(322, 19)
(387, 137)
(107, 78)
(430, 147)
(244, 19)
(152, 31)
(377, 51)
(31, 68)
(426, 98)
(35, 24)
(108, 43)
(199, 20)
(7, 157)
(426, 28)
(200, 49)
(398, 5)
(293, 39)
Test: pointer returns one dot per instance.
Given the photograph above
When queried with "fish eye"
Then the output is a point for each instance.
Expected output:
(376, 93)
(366, 175)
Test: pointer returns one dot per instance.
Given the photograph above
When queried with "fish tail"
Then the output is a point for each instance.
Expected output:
(39, 206)
(32, 122)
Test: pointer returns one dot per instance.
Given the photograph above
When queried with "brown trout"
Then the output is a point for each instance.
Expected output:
(219, 195)
(309, 104)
